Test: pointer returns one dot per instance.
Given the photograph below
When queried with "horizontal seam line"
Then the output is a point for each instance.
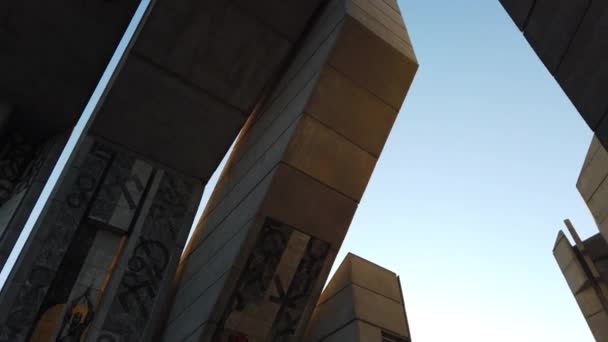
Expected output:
(186, 82)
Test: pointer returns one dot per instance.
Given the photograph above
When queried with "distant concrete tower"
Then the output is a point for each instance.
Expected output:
(362, 302)
(585, 267)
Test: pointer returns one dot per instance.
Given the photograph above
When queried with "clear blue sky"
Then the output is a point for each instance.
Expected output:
(474, 182)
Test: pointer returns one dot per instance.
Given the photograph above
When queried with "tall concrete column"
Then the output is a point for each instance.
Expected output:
(592, 184)
(362, 302)
(270, 233)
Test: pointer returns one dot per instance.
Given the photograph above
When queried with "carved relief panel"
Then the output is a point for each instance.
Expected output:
(274, 287)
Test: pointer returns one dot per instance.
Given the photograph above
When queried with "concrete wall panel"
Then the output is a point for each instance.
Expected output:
(552, 25)
(583, 74)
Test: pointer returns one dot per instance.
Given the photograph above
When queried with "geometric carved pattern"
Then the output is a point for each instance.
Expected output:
(60, 223)
(272, 284)
(121, 192)
(110, 187)
(147, 264)
(295, 300)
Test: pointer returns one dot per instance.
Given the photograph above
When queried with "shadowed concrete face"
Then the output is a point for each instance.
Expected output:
(362, 302)
(258, 260)
(52, 56)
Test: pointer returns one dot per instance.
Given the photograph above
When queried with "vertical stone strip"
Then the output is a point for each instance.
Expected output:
(67, 209)
(150, 260)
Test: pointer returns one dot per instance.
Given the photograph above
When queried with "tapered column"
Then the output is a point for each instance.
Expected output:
(270, 233)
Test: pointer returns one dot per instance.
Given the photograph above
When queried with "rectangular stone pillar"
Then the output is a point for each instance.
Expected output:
(269, 235)
(362, 302)
(592, 184)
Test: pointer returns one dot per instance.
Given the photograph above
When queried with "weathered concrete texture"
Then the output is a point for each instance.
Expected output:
(362, 302)
(592, 184)
(519, 10)
(583, 266)
(301, 163)
(53, 55)
(198, 68)
(551, 27)
(583, 74)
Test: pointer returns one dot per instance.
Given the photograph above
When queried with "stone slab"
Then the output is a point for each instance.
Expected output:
(352, 111)
(167, 121)
(583, 74)
(289, 18)
(356, 55)
(594, 171)
(329, 158)
(551, 27)
(302, 202)
(215, 45)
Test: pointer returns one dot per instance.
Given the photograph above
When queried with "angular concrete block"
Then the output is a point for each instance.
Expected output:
(357, 55)
(379, 310)
(302, 202)
(576, 277)
(288, 18)
(594, 171)
(589, 302)
(551, 27)
(375, 278)
(140, 100)
(352, 111)
(599, 326)
(583, 74)
(563, 252)
(598, 203)
(341, 309)
(329, 158)
(219, 47)
(362, 293)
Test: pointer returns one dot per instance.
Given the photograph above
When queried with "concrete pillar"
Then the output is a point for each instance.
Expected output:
(362, 302)
(592, 184)
(270, 233)
(106, 189)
